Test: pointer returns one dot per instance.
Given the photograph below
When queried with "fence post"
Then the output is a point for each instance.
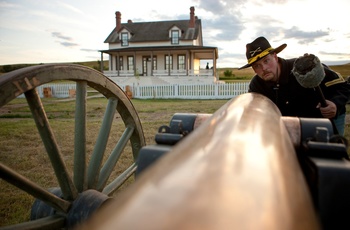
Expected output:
(176, 91)
(135, 90)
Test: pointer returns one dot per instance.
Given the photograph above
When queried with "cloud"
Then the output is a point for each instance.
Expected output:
(8, 5)
(270, 32)
(60, 36)
(89, 50)
(265, 21)
(216, 7)
(276, 1)
(265, 2)
(229, 28)
(303, 36)
(346, 35)
(70, 7)
(346, 55)
(67, 41)
(221, 7)
(68, 44)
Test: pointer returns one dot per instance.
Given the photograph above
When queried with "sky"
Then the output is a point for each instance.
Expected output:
(60, 31)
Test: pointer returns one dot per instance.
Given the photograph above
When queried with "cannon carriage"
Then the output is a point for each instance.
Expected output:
(243, 167)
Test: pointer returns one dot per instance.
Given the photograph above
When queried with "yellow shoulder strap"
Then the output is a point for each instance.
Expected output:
(338, 80)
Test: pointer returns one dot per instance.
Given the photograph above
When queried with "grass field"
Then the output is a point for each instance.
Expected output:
(22, 148)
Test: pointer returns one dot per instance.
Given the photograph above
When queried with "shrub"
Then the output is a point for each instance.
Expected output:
(228, 73)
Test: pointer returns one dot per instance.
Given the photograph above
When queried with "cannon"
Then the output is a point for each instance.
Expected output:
(243, 167)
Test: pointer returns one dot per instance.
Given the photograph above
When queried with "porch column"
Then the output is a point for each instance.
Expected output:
(118, 64)
(187, 62)
(135, 68)
(214, 63)
(110, 62)
(192, 62)
(169, 63)
(151, 63)
(101, 65)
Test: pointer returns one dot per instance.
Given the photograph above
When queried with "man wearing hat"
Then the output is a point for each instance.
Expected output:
(275, 79)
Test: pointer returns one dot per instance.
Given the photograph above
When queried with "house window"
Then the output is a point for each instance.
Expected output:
(130, 62)
(145, 69)
(125, 39)
(154, 63)
(181, 62)
(168, 62)
(174, 37)
(121, 67)
(120, 63)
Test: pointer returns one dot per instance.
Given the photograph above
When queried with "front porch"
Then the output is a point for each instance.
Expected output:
(162, 61)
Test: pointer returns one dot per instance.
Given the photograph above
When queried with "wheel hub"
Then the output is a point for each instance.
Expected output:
(81, 208)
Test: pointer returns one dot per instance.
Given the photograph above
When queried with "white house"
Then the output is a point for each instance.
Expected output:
(162, 49)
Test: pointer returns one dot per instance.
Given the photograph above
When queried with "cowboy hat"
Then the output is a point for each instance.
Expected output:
(258, 49)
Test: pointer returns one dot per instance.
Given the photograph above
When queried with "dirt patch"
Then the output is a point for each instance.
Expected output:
(9, 107)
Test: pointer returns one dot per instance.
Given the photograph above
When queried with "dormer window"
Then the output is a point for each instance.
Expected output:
(125, 39)
(175, 37)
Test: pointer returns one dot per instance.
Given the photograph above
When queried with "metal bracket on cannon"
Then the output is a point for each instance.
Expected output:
(181, 124)
(315, 137)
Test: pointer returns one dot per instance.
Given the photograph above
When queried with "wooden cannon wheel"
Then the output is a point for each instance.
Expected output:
(89, 183)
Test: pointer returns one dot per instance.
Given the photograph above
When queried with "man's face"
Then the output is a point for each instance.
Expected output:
(267, 67)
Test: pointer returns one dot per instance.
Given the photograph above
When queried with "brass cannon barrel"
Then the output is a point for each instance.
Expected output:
(238, 170)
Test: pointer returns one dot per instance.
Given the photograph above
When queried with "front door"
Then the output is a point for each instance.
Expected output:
(146, 65)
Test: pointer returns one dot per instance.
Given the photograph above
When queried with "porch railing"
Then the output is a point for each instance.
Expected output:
(122, 73)
(162, 73)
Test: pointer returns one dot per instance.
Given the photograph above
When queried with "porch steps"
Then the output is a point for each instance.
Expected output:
(159, 81)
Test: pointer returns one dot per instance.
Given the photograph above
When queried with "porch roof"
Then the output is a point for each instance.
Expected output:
(155, 31)
(198, 49)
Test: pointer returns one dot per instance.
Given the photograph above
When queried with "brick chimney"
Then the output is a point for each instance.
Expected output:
(192, 18)
(118, 17)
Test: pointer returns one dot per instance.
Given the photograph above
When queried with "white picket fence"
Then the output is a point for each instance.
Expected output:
(175, 91)
(57, 90)
(196, 91)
